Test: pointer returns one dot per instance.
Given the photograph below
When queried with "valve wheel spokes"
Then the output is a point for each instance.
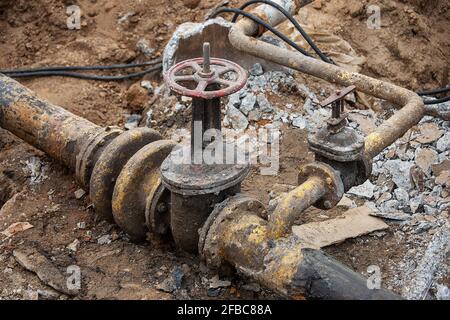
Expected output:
(178, 81)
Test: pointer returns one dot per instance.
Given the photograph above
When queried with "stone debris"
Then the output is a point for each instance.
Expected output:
(215, 283)
(132, 121)
(300, 122)
(443, 143)
(425, 158)
(33, 261)
(424, 274)
(144, 48)
(16, 228)
(105, 239)
(346, 203)
(257, 70)
(442, 292)
(148, 85)
(80, 193)
(173, 282)
(429, 132)
(74, 245)
(236, 118)
(443, 179)
(253, 287)
(35, 169)
(364, 191)
(248, 103)
(264, 104)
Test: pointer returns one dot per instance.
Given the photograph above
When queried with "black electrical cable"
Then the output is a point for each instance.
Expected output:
(437, 101)
(82, 75)
(262, 23)
(292, 20)
(432, 92)
(84, 68)
(308, 39)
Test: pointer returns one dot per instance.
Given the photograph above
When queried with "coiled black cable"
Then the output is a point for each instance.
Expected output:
(85, 68)
(259, 21)
(292, 20)
(83, 75)
(262, 23)
(436, 101)
(435, 91)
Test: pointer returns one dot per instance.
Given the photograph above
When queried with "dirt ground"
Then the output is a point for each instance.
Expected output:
(412, 50)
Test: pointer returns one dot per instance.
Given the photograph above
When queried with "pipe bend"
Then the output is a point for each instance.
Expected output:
(410, 114)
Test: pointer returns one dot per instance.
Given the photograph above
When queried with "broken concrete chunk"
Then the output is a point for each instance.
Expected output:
(429, 132)
(425, 158)
(425, 272)
(105, 239)
(401, 195)
(237, 120)
(33, 261)
(390, 206)
(300, 122)
(248, 103)
(16, 228)
(443, 179)
(257, 70)
(415, 203)
(363, 191)
(443, 143)
(354, 223)
(234, 99)
(346, 203)
(74, 245)
(254, 115)
(79, 194)
(215, 283)
(263, 103)
(400, 172)
(398, 216)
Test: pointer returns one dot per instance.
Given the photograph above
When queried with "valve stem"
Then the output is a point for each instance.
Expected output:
(206, 58)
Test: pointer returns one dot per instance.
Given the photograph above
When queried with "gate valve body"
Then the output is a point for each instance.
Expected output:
(196, 185)
(339, 145)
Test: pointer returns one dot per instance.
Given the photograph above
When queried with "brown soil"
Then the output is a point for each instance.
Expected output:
(412, 49)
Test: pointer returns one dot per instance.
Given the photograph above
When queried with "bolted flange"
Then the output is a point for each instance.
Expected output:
(110, 164)
(138, 179)
(209, 240)
(90, 152)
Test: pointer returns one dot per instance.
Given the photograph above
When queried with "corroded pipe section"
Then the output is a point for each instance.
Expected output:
(413, 107)
(47, 127)
(272, 15)
(319, 185)
(237, 234)
(294, 203)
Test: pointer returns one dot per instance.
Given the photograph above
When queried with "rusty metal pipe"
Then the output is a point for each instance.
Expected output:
(272, 15)
(293, 204)
(47, 127)
(237, 234)
(64, 136)
(413, 107)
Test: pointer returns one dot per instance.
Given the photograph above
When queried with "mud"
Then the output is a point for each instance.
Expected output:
(412, 50)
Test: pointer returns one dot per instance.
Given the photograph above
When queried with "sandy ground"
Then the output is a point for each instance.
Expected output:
(412, 50)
